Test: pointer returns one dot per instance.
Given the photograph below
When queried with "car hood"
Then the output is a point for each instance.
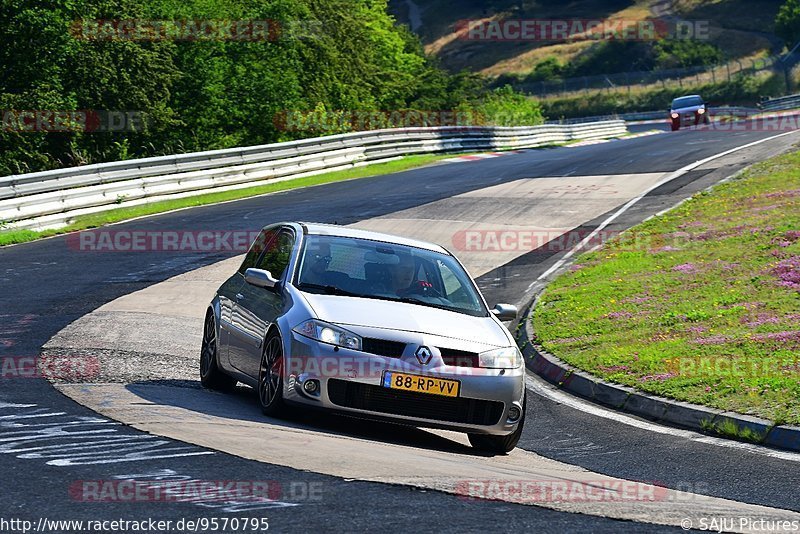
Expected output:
(384, 314)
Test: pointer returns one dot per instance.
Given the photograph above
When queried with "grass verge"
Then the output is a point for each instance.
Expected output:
(12, 236)
(701, 304)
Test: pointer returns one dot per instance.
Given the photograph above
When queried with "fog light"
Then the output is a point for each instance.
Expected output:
(311, 386)
(514, 414)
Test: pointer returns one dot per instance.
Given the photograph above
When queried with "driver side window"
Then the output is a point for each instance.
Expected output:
(258, 246)
(277, 255)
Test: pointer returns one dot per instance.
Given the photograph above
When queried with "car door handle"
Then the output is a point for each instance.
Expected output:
(239, 296)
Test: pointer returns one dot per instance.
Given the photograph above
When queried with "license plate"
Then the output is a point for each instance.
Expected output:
(422, 384)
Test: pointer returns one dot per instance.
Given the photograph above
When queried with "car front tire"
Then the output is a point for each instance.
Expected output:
(270, 377)
(211, 376)
(499, 444)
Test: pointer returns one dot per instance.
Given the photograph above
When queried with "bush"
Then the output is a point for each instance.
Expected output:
(787, 23)
(744, 91)
(548, 69)
(505, 107)
(681, 53)
(607, 57)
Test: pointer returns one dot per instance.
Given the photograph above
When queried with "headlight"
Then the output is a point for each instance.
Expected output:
(674, 115)
(507, 358)
(701, 111)
(328, 333)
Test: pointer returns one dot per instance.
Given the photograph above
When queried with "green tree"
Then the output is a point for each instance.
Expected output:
(331, 56)
(505, 107)
(787, 22)
(547, 69)
(47, 69)
(674, 53)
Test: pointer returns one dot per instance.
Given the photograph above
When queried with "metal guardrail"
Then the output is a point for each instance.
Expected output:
(781, 104)
(736, 111)
(52, 198)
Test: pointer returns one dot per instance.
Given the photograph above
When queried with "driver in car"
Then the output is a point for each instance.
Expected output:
(404, 278)
(319, 260)
(403, 274)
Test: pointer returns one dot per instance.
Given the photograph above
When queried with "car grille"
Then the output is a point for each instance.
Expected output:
(412, 404)
(459, 358)
(383, 347)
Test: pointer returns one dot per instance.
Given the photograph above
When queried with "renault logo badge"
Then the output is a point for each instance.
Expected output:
(423, 355)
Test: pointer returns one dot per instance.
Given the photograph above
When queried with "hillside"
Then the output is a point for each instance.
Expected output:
(738, 30)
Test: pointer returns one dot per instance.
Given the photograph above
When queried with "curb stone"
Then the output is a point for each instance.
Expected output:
(658, 409)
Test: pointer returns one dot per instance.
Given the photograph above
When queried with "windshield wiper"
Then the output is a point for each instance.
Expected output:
(465, 311)
(414, 300)
(329, 290)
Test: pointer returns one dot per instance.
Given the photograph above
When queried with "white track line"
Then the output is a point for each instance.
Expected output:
(550, 392)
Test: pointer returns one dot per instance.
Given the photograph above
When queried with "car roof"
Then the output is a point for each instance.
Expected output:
(343, 231)
(687, 96)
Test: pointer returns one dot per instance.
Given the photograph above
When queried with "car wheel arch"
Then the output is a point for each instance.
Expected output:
(215, 307)
(272, 330)
(275, 330)
(214, 310)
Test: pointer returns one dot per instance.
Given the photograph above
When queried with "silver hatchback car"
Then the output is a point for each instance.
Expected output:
(370, 325)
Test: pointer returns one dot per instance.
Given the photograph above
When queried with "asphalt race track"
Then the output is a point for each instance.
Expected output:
(49, 441)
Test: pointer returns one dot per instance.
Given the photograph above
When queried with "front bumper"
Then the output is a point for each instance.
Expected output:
(688, 119)
(350, 382)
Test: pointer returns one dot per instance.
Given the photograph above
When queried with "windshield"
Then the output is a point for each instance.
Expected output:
(386, 271)
(686, 102)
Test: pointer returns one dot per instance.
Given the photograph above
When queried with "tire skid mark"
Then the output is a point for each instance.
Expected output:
(61, 439)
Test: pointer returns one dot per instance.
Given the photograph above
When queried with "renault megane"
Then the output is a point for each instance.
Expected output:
(368, 324)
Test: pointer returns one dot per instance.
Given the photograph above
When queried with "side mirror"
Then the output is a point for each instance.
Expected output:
(260, 278)
(505, 312)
